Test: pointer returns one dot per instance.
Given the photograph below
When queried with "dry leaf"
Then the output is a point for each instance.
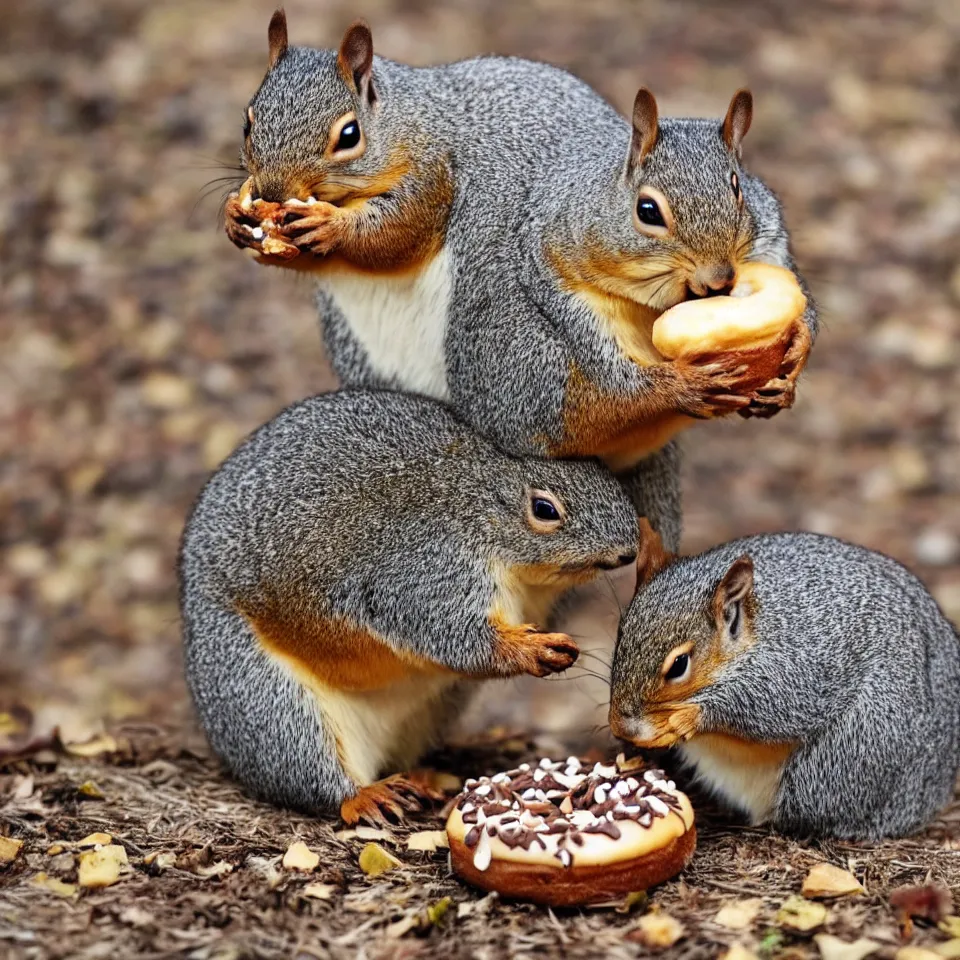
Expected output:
(318, 891)
(102, 743)
(101, 867)
(949, 949)
(89, 789)
(657, 930)
(738, 952)
(9, 850)
(739, 915)
(916, 953)
(54, 885)
(300, 857)
(428, 840)
(636, 898)
(364, 832)
(163, 859)
(833, 948)
(948, 925)
(374, 860)
(219, 869)
(437, 911)
(55, 849)
(95, 839)
(799, 914)
(826, 880)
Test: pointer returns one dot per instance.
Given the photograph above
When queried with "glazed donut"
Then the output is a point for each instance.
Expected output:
(755, 320)
(561, 834)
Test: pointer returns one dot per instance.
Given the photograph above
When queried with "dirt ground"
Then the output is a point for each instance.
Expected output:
(137, 346)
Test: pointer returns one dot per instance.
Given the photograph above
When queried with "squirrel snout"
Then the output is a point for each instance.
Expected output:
(715, 280)
(619, 560)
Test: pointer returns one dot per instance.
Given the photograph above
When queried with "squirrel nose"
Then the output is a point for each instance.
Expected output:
(712, 281)
(621, 559)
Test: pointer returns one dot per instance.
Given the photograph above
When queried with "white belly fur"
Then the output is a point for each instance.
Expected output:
(751, 788)
(400, 320)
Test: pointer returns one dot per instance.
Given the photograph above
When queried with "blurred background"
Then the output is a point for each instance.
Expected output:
(137, 346)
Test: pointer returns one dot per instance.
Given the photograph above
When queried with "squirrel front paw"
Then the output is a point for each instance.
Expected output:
(391, 799)
(317, 230)
(252, 226)
(524, 649)
(711, 389)
(780, 392)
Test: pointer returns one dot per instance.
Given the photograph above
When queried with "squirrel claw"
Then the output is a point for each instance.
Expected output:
(388, 801)
(526, 650)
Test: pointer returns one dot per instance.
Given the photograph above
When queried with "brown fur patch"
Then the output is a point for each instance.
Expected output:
(652, 556)
(336, 653)
(746, 752)
(521, 648)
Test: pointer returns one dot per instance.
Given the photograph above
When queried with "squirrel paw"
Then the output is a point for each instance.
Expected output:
(252, 227)
(780, 392)
(711, 388)
(391, 799)
(317, 231)
(526, 650)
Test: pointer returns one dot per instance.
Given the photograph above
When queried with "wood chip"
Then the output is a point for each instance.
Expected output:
(739, 915)
(219, 869)
(9, 850)
(799, 914)
(374, 860)
(826, 880)
(300, 857)
(318, 891)
(101, 867)
(833, 948)
(657, 930)
(103, 743)
(53, 885)
(428, 840)
(94, 840)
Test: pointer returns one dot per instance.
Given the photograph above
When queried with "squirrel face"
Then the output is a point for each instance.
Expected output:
(676, 641)
(688, 224)
(305, 130)
(564, 521)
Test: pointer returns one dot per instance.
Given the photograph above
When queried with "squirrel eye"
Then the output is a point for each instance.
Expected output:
(648, 212)
(349, 136)
(544, 510)
(679, 669)
(545, 514)
(735, 185)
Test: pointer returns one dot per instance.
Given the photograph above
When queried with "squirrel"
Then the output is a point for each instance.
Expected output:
(348, 571)
(811, 683)
(492, 233)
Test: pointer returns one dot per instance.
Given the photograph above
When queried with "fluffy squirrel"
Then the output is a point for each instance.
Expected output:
(811, 683)
(493, 234)
(352, 567)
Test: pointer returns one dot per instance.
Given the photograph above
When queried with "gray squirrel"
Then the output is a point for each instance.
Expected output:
(493, 234)
(352, 567)
(811, 683)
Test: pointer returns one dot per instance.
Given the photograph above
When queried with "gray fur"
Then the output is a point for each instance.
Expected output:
(853, 659)
(377, 508)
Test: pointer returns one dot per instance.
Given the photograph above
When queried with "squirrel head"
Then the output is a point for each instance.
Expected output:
(684, 225)
(307, 130)
(683, 631)
(564, 522)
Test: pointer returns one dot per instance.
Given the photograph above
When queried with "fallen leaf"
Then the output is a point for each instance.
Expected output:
(799, 914)
(94, 839)
(54, 885)
(437, 911)
(657, 930)
(738, 952)
(102, 743)
(9, 850)
(318, 891)
(833, 948)
(428, 840)
(950, 926)
(163, 859)
(365, 833)
(374, 860)
(219, 869)
(300, 857)
(101, 867)
(739, 915)
(55, 849)
(826, 880)
(949, 949)
(89, 789)
(916, 953)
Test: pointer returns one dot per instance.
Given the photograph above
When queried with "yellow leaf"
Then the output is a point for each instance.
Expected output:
(950, 926)
(799, 914)
(9, 850)
(739, 952)
(658, 930)
(826, 880)
(101, 867)
(54, 885)
(949, 949)
(89, 789)
(374, 860)
(54, 849)
(436, 911)
(103, 743)
(739, 915)
(428, 840)
(318, 891)
(636, 898)
(219, 869)
(833, 948)
(300, 857)
(94, 839)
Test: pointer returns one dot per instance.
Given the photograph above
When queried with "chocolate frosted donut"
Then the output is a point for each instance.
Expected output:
(563, 834)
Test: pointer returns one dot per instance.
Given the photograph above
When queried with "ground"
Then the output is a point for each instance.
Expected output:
(137, 346)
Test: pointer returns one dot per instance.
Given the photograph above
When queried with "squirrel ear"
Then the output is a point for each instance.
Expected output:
(645, 127)
(355, 59)
(652, 556)
(277, 36)
(737, 121)
(731, 592)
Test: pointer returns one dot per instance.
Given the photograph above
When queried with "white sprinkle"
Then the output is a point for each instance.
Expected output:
(546, 763)
(671, 785)
(483, 790)
(524, 767)
(553, 794)
(599, 770)
(649, 776)
(529, 793)
(623, 788)
(630, 809)
(573, 762)
(470, 784)
(500, 778)
(633, 783)
(658, 806)
(481, 817)
(538, 775)
(600, 795)
(645, 820)
(541, 796)
(483, 854)
(467, 808)
(247, 202)
(257, 233)
(515, 805)
(569, 780)
(565, 857)
(529, 819)
(542, 827)
(610, 815)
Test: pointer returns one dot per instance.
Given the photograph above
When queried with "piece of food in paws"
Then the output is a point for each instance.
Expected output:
(563, 834)
(755, 322)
